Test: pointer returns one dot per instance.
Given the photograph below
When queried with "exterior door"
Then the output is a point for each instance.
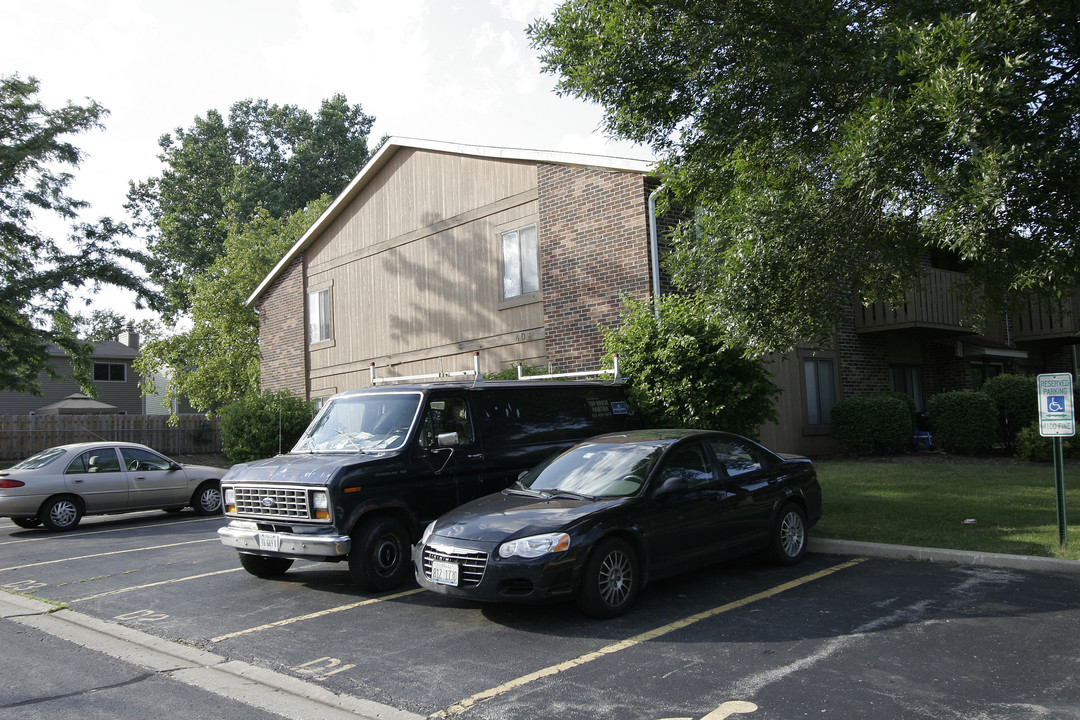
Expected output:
(753, 486)
(446, 473)
(96, 476)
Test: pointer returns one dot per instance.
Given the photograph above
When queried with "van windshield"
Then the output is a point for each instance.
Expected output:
(361, 423)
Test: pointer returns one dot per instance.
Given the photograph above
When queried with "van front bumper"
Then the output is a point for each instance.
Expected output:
(244, 536)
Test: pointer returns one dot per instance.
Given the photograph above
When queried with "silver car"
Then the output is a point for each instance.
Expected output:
(56, 487)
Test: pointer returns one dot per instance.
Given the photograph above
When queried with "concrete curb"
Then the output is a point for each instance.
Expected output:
(275, 692)
(961, 557)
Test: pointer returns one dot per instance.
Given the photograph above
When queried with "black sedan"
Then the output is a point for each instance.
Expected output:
(598, 521)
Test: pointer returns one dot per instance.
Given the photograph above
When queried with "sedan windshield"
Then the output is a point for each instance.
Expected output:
(361, 423)
(42, 459)
(594, 470)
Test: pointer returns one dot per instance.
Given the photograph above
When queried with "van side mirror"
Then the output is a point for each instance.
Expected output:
(449, 439)
(670, 485)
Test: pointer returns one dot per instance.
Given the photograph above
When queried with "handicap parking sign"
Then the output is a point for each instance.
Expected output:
(1056, 418)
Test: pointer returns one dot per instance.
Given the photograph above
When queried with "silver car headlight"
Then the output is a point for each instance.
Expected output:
(535, 545)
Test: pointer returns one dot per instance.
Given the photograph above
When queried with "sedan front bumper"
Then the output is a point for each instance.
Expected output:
(279, 544)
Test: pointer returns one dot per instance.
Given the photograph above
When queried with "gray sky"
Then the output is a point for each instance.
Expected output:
(450, 70)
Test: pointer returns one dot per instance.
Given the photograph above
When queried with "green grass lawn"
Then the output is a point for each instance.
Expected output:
(926, 504)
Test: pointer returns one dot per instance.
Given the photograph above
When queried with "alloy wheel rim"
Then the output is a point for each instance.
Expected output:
(616, 578)
(63, 513)
(792, 534)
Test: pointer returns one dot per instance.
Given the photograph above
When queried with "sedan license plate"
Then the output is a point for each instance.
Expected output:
(444, 573)
(269, 541)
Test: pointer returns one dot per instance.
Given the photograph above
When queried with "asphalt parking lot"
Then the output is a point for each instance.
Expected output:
(160, 620)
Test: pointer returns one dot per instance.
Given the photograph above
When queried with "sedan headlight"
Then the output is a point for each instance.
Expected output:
(427, 533)
(535, 546)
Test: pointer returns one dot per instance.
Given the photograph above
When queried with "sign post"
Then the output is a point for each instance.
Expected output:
(1057, 419)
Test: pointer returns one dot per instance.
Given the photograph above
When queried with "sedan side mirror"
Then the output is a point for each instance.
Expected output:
(670, 485)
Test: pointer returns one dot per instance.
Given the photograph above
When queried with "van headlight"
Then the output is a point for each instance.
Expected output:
(535, 545)
(320, 503)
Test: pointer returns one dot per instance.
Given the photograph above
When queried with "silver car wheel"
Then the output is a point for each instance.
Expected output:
(792, 534)
(62, 514)
(616, 578)
(210, 500)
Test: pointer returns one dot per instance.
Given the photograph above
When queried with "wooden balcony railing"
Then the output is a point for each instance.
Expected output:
(936, 306)
(1045, 319)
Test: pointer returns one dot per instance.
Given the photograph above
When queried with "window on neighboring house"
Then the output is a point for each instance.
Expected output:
(521, 262)
(820, 389)
(319, 316)
(908, 379)
(110, 372)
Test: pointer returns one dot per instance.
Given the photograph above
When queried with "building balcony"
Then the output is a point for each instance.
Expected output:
(935, 307)
(1046, 319)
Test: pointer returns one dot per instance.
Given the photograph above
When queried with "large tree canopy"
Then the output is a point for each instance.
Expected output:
(216, 360)
(39, 274)
(828, 145)
(276, 157)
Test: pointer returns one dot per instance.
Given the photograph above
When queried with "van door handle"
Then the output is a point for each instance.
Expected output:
(476, 456)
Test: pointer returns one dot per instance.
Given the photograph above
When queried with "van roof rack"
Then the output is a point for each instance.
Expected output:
(478, 379)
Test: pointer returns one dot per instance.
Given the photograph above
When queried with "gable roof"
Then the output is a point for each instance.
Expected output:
(393, 144)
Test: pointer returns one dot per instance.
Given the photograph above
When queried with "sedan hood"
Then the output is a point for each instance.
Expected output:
(504, 515)
(298, 468)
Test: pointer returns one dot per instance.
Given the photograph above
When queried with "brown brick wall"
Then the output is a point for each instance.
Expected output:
(594, 248)
(863, 359)
(282, 334)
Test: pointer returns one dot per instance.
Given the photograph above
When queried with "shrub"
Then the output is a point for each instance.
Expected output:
(879, 423)
(681, 372)
(963, 421)
(1030, 445)
(263, 424)
(1016, 398)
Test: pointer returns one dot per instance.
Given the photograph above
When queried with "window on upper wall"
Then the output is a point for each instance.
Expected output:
(110, 372)
(820, 381)
(521, 262)
(319, 316)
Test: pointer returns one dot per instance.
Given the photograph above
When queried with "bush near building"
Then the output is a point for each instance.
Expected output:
(963, 421)
(874, 424)
(261, 425)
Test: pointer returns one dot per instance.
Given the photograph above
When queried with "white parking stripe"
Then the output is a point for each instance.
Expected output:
(106, 554)
(82, 534)
(155, 584)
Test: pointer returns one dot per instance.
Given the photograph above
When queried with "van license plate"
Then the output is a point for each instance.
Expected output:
(444, 573)
(269, 541)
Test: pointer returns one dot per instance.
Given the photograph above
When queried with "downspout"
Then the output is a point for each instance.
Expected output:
(654, 250)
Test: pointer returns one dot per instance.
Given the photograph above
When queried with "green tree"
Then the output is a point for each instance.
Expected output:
(260, 425)
(39, 274)
(216, 361)
(682, 374)
(828, 145)
(217, 174)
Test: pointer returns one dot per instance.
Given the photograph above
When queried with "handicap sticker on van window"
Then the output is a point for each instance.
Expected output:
(619, 407)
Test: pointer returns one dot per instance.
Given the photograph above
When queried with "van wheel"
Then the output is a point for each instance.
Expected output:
(789, 535)
(265, 567)
(61, 513)
(612, 580)
(379, 559)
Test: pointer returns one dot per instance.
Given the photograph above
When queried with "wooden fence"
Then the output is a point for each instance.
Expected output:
(23, 435)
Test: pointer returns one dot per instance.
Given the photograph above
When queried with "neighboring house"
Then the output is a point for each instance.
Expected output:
(437, 251)
(115, 381)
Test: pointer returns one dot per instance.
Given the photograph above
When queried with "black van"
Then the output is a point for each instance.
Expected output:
(376, 465)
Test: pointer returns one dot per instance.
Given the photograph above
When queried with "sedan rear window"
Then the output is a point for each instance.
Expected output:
(40, 460)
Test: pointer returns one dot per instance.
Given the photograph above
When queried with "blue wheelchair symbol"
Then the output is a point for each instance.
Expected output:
(1055, 403)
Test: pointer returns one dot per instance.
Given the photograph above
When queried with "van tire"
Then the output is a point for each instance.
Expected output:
(380, 557)
(265, 567)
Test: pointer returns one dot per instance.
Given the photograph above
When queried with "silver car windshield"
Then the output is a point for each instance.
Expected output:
(595, 470)
(361, 423)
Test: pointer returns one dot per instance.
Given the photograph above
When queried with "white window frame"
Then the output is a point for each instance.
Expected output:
(520, 261)
(319, 316)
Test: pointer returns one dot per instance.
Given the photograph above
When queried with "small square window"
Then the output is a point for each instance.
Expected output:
(110, 372)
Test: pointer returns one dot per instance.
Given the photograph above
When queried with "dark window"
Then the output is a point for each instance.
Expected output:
(689, 464)
(908, 379)
(736, 457)
(820, 390)
(110, 372)
(95, 461)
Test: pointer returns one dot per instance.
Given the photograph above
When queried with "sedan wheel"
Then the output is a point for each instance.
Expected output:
(26, 522)
(789, 535)
(207, 500)
(611, 580)
(62, 513)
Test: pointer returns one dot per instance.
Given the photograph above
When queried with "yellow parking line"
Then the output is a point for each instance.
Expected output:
(310, 616)
(106, 554)
(155, 584)
(468, 702)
